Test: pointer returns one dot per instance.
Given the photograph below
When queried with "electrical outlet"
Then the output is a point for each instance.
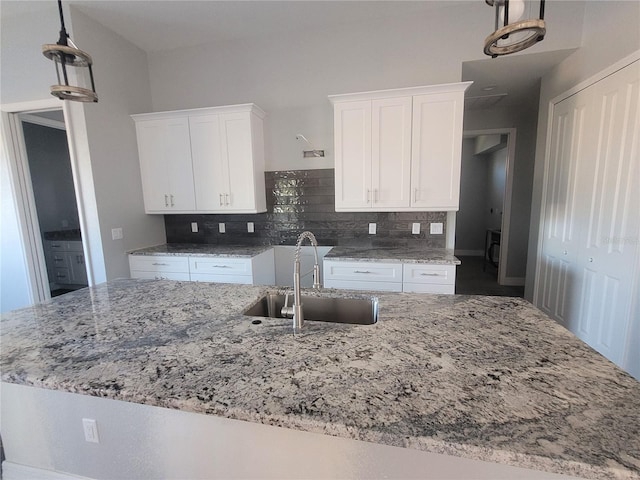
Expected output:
(250, 227)
(436, 228)
(90, 427)
(415, 228)
(194, 227)
(221, 228)
(372, 229)
(116, 233)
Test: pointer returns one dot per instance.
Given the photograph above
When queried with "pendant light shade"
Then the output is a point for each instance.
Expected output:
(519, 24)
(73, 68)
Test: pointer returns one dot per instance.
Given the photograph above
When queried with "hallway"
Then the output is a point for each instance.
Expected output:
(471, 280)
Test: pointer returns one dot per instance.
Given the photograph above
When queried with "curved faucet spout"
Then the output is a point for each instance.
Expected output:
(298, 314)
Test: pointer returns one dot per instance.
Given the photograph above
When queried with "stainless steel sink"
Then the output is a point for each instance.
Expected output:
(360, 311)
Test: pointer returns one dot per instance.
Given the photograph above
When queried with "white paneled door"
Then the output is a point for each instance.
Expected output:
(590, 247)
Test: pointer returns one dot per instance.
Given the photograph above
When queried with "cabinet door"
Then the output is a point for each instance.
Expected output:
(436, 151)
(77, 268)
(391, 152)
(165, 163)
(209, 173)
(352, 129)
(237, 157)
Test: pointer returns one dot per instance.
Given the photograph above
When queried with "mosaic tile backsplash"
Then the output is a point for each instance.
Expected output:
(299, 200)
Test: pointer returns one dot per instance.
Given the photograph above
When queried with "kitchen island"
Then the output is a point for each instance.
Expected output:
(485, 378)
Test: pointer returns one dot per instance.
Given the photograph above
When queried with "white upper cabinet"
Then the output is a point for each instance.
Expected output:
(399, 150)
(437, 150)
(167, 179)
(217, 155)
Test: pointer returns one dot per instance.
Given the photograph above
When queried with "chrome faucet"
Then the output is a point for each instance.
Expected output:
(295, 311)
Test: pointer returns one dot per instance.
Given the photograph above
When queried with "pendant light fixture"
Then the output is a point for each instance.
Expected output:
(65, 54)
(516, 27)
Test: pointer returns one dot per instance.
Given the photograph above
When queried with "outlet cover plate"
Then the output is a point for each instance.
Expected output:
(221, 228)
(194, 227)
(372, 229)
(415, 228)
(436, 228)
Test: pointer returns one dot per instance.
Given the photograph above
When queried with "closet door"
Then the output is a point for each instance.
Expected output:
(610, 182)
(563, 219)
(590, 248)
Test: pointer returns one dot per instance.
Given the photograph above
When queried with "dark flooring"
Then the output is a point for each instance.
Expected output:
(62, 291)
(471, 280)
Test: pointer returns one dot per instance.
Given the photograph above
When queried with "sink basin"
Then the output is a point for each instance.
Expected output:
(360, 311)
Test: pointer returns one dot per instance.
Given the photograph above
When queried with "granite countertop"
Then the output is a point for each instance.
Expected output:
(72, 234)
(202, 250)
(489, 378)
(439, 256)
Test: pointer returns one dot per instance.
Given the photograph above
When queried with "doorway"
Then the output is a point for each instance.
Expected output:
(47, 171)
(482, 223)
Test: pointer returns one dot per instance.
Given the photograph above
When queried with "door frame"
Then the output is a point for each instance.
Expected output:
(506, 204)
(22, 192)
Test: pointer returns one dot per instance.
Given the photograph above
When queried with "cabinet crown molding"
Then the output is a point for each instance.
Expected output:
(193, 112)
(399, 92)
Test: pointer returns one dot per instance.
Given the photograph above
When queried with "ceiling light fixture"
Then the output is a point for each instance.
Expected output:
(515, 26)
(65, 54)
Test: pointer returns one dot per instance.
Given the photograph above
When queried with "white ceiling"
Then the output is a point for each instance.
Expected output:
(156, 25)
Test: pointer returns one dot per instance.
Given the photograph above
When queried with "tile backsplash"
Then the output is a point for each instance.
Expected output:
(299, 200)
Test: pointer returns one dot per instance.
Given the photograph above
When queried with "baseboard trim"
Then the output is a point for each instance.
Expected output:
(513, 281)
(15, 471)
(469, 253)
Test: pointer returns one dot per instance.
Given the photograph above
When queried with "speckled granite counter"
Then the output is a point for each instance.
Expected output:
(202, 250)
(489, 378)
(72, 234)
(439, 256)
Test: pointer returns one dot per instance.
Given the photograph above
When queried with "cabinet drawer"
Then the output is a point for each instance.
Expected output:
(154, 263)
(220, 266)
(182, 276)
(363, 271)
(429, 274)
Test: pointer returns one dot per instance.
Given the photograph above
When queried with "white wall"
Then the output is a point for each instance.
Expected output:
(291, 74)
(610, 33)
(470, 219)
(123, 88)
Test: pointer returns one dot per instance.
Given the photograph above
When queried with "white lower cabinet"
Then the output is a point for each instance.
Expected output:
(426, 278)
(256, 270)
(168, 267)
(377, 276)
(66, 263)
(390, 276)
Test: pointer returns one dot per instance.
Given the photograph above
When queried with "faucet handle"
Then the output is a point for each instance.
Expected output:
(286, 311)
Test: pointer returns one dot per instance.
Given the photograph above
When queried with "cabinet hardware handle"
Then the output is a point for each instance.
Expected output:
(368, 195)
(362, 271)
(430, 274)
(226, 199)
(590, 259)
(375, 195)
(58, 259)
(171, 197)
(564, 252)
(415, 194)
(55, 245)
(61, 275)
(220, 199)
(221, 266)
(162, 264)
(166, 200)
